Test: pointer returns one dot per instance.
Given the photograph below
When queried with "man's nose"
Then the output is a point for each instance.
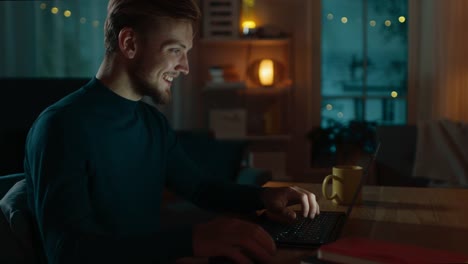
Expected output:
(183, 65)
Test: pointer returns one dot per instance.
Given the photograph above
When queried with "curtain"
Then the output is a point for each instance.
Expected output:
(51, 38)
(441, 88)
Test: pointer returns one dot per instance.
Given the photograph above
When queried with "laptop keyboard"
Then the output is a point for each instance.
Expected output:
(304, 230)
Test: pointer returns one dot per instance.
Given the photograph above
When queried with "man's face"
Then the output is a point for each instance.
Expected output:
(161, 57)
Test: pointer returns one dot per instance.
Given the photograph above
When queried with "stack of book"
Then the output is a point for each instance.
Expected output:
(358, 250)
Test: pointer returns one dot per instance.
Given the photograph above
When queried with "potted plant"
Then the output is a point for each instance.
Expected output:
(339, 143)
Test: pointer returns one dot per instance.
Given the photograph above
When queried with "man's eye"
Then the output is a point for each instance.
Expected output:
(175, 51)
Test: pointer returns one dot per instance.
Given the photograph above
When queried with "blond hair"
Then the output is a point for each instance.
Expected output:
(142, 14)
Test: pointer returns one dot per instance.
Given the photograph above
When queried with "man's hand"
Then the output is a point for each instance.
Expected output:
(277, 200)
(240, 241)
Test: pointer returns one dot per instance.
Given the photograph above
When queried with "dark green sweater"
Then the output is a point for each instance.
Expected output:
(96, 165)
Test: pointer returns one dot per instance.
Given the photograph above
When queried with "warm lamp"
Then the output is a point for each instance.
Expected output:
(248, 27)
(248, 17)
(266, 72)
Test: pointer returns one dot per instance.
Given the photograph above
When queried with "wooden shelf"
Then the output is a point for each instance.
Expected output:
(269, 137)
(246, 41)
(224, 87)
(334, 97)
(237, 55)
(265, 90)
(247, 91)
(262, 138)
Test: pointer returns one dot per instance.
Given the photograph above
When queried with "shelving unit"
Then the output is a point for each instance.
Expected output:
(260, 115)
(240, 54)
(266, 112)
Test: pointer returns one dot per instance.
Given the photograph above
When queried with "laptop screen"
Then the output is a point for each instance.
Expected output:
(365, 176)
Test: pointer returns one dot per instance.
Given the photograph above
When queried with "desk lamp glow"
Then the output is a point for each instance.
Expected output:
(266, 72)
(248, 27)
(248, 21)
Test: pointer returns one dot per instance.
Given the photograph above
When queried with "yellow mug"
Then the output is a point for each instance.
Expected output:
(346, 180)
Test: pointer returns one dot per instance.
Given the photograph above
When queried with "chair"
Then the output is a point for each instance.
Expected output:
(395, 161)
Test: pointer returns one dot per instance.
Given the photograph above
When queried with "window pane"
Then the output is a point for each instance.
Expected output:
(364, 60)
(342, 46)
(340, 110)
(388, 111)
(387, 47)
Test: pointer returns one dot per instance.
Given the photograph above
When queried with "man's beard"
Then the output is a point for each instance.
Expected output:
(158, 96)
(148, 89)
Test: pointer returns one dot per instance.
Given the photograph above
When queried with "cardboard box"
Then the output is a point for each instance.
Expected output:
(230, 123)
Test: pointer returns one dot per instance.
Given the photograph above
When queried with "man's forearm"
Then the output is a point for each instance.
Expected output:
(229, 197)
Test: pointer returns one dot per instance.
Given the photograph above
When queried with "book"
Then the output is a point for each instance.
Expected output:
(313, 259)
(359, 250)
(216, 85)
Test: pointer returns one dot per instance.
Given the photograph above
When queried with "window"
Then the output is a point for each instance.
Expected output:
(51, 38)
(364, 61)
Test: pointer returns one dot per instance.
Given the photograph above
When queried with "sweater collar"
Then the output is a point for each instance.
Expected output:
(97, 85)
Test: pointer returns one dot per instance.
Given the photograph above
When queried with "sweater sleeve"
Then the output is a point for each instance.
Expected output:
(186, 179)
(56, 164)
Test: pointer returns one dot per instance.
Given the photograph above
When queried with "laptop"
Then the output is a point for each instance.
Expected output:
(324, 228)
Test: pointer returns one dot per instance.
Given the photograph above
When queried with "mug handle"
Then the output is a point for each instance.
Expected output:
(324, 187)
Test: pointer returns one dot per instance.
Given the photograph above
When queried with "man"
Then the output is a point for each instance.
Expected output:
(97, 161)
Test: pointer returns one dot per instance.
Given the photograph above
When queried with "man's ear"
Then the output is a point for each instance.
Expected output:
(128, 42)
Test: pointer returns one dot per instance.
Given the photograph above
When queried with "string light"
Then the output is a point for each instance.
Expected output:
(372, 23)
(388, 23)
(329, 107)
(67, 13)
(330, 16)
(394, 94)
(340, 115)
(344, 20)
(402, 19)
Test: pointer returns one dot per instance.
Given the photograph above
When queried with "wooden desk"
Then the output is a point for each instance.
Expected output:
(429, 217)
